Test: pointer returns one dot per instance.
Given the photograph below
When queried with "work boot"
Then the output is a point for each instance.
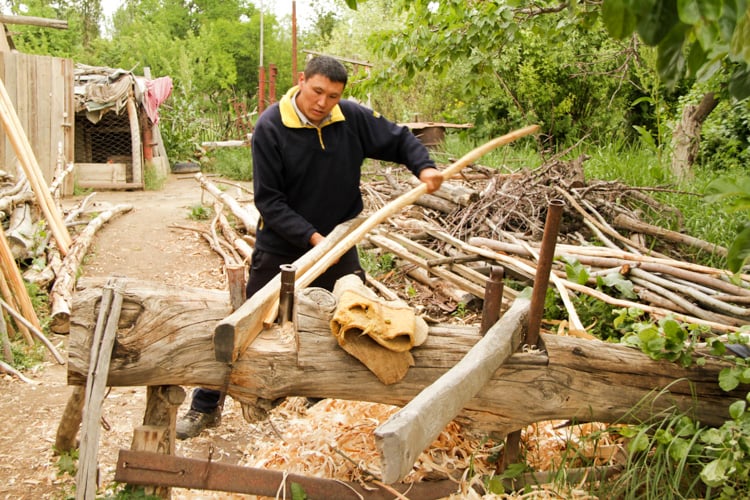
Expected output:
(193, 422)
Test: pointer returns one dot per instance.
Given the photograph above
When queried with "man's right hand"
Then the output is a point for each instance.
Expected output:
(316, 238)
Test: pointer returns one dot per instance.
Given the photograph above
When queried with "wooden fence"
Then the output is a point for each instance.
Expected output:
(41, 89)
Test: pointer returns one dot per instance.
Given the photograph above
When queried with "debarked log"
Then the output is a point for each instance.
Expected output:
(165, 338)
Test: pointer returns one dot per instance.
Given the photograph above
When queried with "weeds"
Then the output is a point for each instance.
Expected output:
(199, 212)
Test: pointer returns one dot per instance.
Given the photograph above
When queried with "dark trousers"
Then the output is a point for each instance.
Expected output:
(264, 267)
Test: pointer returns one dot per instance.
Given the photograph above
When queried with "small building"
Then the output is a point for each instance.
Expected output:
(116, 127)
(101, 121)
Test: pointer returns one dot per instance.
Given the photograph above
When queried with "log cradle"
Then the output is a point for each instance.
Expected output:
(165, 337)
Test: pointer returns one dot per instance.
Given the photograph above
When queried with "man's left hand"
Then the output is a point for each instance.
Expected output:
(432, 178)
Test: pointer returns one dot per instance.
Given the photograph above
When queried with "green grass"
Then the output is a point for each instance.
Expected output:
(233, 163)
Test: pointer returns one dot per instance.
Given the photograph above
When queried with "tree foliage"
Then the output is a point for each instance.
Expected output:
(697, 37)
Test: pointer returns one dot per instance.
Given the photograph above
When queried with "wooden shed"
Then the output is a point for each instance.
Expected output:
(116, 127)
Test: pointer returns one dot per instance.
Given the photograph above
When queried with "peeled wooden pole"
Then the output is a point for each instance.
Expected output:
(15, 283)
(28, 161)
(402, 201)
(135, 139)
(408, 432)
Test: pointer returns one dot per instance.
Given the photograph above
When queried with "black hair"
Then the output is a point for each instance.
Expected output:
(328, 67)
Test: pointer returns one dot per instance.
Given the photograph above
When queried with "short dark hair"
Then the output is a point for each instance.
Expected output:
(326, 66)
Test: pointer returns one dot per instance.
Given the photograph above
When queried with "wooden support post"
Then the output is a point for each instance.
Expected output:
(96, 383)
(157, 434)
(408, 432)
(512, 448)
(237, 283)
(67, 430)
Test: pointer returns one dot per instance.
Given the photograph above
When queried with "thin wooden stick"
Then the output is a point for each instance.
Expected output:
(37, 332)
(9, 369)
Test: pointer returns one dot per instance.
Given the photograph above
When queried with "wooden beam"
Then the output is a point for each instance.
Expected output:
(412, 429)
(59, 24)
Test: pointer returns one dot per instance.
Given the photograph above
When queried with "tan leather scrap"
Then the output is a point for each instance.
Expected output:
(378, 333)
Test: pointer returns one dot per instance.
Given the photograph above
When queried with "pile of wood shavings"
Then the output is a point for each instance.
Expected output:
(547, 443)
(335, 439)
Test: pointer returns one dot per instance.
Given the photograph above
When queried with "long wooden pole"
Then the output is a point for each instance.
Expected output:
(402, 201)
(408, 432)
(15, 281)
(29, 163)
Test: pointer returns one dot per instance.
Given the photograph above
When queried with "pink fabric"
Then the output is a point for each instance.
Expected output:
(157, 91)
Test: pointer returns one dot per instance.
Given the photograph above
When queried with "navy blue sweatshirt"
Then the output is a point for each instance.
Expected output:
(306, 179)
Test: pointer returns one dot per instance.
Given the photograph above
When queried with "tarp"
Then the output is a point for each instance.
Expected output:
(99, 90)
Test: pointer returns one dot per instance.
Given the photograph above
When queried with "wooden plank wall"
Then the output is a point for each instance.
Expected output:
(41, 88)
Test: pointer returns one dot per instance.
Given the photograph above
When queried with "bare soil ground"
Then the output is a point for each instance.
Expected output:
(143, 244)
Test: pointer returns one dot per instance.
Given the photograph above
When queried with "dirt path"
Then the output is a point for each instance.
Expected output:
(140, 244)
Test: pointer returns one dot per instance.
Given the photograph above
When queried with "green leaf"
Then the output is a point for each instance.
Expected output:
(737, 409)
(618, 281)
(658, 20)
(709, 9)
(576, 271)
(728, 379)
(352, 4)
(689, 11)
(739, 82)
(670, 60)
(714, 473)
(639, 443)
(713, 437)
(298, 493)
(739, 250)
(679, 449)
(618, 18)
(739, 46)
(696, 58)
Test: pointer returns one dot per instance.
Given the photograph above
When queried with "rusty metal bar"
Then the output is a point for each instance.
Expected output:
(512, 449)
(286, 292)
(147, 468)
(543, 268)
(493, 298)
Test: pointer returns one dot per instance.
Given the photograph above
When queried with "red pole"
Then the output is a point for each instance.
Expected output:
(272, 72)
(261, 90)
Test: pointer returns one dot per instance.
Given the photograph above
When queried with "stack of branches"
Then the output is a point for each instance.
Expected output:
(444, 247)
(500, 222)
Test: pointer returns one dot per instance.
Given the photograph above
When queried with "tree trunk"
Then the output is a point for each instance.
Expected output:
(687, 135)
(165, 338)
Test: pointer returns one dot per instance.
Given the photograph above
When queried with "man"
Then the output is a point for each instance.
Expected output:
(308, 151)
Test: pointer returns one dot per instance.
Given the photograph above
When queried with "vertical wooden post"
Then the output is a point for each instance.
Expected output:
(135, 136)
(158, 432)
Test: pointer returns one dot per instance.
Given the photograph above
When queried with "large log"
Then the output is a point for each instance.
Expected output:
(62, 290)
(165, 338)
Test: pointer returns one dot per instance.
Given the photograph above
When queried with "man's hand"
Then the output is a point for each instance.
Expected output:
(432, 178)
(316, 238)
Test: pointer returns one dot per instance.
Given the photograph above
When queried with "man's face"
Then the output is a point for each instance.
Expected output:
(317, 97)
